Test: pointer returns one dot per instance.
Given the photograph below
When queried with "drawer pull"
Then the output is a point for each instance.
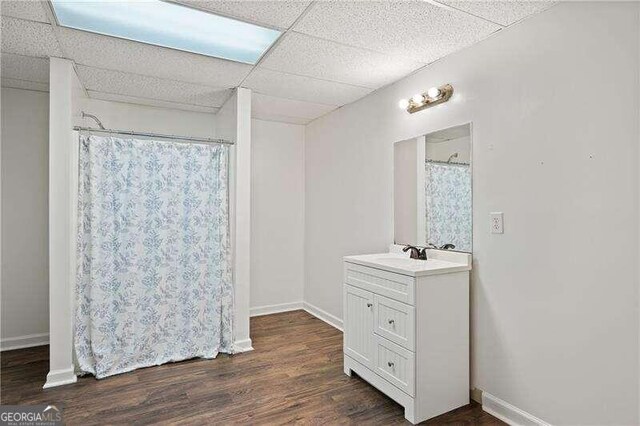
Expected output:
(369, 305)
(390, 364)
(391, 321)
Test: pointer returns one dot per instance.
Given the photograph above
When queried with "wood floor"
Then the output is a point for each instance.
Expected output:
(293, 375)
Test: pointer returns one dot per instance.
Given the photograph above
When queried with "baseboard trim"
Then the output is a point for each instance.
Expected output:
(275, 309)
(242, 346)
(509, 413)
(65, 376)
(323, 315)
(21, 342)
(295, 306)
(476, 395)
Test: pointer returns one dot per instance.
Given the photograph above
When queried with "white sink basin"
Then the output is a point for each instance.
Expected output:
(402, 264)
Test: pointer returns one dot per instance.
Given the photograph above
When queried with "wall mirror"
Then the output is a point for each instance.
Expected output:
(432, 190)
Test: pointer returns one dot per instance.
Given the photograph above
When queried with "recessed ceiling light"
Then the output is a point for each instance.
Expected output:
(169, 25)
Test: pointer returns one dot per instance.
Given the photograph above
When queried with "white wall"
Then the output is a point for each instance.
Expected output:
(25, 272)
(441, 151)
(277, 217)
(555, 298)
(405, 190)
(123, 116)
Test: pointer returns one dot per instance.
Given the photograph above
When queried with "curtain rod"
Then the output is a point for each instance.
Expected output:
(153, 135)
(453, 163)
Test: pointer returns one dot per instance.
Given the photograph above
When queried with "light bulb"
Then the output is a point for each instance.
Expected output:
(433, 93)
(404, 103)
(417, 99)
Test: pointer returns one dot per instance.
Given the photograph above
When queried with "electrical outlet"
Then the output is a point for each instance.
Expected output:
(497, 226)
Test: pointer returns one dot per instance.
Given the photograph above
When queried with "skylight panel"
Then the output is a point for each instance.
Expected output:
(169, 25)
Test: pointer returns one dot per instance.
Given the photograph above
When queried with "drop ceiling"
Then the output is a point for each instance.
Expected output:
(331, 53)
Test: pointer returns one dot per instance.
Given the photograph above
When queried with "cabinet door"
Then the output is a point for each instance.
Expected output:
(358, 325)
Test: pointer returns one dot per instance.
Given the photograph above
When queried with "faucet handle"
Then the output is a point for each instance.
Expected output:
(422, 253)
(415, 252)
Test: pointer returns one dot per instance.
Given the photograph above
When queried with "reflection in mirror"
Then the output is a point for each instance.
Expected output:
(448, 188)
(432, 190)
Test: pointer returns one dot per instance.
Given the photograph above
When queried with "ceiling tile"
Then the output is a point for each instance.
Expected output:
(25, 68)
(501, 12)
(302, 88)
(120, 83)
(129, 56)
(263, 106)
(314, 57)
(280, 13)
(413, 29)
(28, 38)
(29, 10)
(23, 84)
(149, 102)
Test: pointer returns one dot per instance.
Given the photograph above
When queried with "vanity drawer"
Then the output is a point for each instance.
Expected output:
(395, 364)
(394, 286)
(395, 321)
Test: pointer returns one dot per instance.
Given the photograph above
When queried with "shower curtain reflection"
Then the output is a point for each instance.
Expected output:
(448, 204)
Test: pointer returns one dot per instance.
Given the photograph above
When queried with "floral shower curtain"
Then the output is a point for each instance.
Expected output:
(448, 199)
(154, 280)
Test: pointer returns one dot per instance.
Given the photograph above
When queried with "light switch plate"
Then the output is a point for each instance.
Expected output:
(497, 226)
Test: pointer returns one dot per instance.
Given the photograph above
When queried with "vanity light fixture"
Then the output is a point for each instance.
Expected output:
(433, 96)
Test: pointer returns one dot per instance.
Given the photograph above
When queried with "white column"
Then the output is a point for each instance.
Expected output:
(61, 81)
(234, 123)
(242, 248)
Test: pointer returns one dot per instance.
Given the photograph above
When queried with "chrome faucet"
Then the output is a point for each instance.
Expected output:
(416, 253)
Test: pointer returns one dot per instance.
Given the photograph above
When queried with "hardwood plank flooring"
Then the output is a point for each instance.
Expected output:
(294, 375)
